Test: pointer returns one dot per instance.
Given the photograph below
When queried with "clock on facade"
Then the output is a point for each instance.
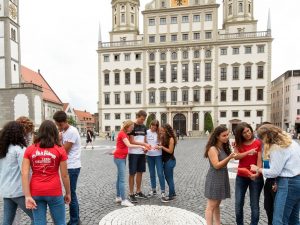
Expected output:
(177, 3)
(13, 11)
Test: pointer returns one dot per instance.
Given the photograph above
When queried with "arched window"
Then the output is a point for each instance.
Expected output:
(123, 18)
(185, 55)
(230, 9)
(249, 8)
(132, 18)
(162, 56)
(174, 56)
(241, 7)
(163, 119)
(115, 20)
(151, 56)
(195, 121)
(208, 54)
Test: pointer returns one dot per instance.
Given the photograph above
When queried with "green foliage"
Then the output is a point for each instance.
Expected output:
(71, 121)
(208, 123)
(149, 120)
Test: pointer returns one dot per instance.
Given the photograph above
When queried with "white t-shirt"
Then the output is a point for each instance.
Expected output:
(153, 141)
(72, 135)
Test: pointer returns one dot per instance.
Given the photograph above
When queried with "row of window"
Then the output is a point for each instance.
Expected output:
(174, 19)
(240, 8)
(247, 50)
(184, 96)
(184, 37)
(174, 55)
(247, 113)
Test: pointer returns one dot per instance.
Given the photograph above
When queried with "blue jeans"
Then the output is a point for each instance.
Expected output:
(120, 185)
(287, 201)
(169, 170)
(156, 161)
(57, 210)
(255, 188)
(10, 206)
(74, 206)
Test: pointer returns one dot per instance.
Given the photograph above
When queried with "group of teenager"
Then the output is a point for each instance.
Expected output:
(269, 153)
(155, 145)
(32, 167)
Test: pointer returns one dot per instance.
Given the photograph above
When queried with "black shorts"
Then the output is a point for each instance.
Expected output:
(137, 163)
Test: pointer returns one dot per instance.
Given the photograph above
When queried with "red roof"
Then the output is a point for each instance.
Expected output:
(84, 116)
(30, 76)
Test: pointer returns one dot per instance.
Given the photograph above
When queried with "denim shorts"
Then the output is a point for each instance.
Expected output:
(137, 163)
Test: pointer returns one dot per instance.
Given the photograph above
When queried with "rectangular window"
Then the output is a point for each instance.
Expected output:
(174, 73)
(163, 56)
(107, 99)
(298, 98)
(223, 95)
(163, 96)
(151, 74)
(235, 51)
(235, 75)
(259, 113)
(208, 35)
(298, 112)
(163, 38)
(260, 72)
(117, 78)
(185, 37)
(196, 96)
(223, 51)
(151, 39)
(117, 116)
(185, 55)
(106, 58)
(196, 72)
(127, 116)
(117, 58)
(173, 20)
(247, 113)
(117, 99)
(224, 73)
(185, 97)
(163, 21)
(173, 97)
(208, 17)
(197, 36)
(123, 18)
(223, 114)
(127, 78)
(106, 79)
(248, 50)
(138, 56)
(152, 97)
(174, 37)
(107, 116)
(138, 98)
(260, 94)
(260, 49)
(185, 72)
(247, 72)
(127, 98)
(207, 97)
(151, 22)
(185, 19)
(196, 54)
(235, 95)
(207, 72)
(196, 18)
(247, 94)
(163, 77)
(138, 78)
(107, 128)
(235, 113)
(117, 128)
(127, 57)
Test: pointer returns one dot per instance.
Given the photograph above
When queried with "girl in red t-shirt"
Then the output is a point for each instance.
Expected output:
(248, 150)
(120, 155)
(45, 157)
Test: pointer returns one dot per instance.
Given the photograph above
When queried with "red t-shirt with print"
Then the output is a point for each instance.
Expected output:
(44, 162)
(249, 159)
(121, 149)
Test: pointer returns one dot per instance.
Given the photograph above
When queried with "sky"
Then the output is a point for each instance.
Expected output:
(60, 38)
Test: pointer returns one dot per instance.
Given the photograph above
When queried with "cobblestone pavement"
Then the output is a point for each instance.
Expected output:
(96, 187)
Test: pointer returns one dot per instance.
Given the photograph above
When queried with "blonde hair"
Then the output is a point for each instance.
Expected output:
(273, 138)
(127, 124)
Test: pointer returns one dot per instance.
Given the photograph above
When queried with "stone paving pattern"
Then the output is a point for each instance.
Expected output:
(96, 187)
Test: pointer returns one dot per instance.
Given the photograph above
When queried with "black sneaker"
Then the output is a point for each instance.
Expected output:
(132, 199)
(171, 198)
(141, 195)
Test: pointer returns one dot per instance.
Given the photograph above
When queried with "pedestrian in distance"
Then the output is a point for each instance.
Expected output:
(113, 133)
(46, 158)
(120, 155)
(12, 148)
(217, 187)
(89, 138)
(248, 150)
(168, 143)
(70, 139)
(136, 157)
(284, 156)
(154, 159)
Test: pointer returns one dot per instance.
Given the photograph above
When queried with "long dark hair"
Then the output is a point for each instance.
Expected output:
(12, 133)
(239, 138)
(165, 140)
(47, 135)
(213, 140)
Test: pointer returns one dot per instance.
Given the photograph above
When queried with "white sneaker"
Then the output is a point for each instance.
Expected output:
(126, 203)
(118, 200)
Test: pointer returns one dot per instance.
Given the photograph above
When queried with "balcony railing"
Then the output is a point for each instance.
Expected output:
(120, 44)
(27, 85)
(181, 104)
(242, 35)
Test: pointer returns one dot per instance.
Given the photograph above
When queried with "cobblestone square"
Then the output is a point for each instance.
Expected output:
(96, 187)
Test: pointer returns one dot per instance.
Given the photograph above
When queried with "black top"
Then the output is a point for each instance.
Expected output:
(139, 130)
(166, 156)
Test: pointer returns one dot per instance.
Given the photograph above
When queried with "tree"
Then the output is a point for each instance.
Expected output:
(208, 123)
(149, 120)
(71, 121)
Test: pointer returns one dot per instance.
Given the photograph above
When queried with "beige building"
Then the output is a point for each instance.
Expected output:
(285, 96)
(183, 66)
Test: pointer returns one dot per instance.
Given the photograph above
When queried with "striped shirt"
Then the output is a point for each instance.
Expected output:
(284, 162)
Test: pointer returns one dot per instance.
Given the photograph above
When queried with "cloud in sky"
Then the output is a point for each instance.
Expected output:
(60, 38)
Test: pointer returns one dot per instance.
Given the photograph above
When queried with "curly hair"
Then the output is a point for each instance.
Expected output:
(169, 134)
(12, 134)
(213, 140)
(272, 135)
(27, 124)
(47, 135)
(239, 138)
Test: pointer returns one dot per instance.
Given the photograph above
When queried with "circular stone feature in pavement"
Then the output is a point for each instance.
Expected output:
(152, 215)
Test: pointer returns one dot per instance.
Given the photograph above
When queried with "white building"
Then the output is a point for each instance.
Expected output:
(183, 66)
(285, 97)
